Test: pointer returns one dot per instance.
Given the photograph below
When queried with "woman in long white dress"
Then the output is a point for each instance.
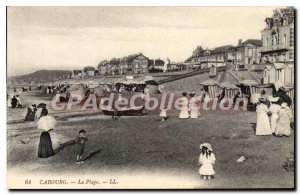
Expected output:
(193, 106)
(262, 125)
(274, 109)
(283, 126)
(184, 113)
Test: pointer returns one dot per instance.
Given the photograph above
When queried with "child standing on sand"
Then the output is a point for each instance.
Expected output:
(206, 161)
(80, 141)
(163, 114)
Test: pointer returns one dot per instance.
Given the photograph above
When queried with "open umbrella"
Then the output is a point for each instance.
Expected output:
(46, 123)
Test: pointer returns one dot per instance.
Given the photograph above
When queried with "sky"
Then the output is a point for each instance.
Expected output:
(68, 38)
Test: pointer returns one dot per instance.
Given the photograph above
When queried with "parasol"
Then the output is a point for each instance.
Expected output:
(46, 123)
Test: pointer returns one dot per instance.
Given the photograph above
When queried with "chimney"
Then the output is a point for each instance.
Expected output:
(240, 42)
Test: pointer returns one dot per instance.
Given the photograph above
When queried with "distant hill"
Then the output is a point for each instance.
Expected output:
(40, 76)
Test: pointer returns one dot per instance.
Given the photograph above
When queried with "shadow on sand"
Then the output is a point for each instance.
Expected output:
(253, 127)
(64, 145)
(92, 154)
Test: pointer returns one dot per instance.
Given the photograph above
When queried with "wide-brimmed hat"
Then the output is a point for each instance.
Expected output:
(284, 105)
(273, 99)
(207, 145)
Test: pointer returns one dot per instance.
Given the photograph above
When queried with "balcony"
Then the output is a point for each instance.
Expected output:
(275, 47)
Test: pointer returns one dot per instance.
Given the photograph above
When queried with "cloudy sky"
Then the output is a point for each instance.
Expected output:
(73, 37)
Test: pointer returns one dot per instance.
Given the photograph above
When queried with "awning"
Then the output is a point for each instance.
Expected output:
(248, 82)
(209, 82)
(279, 65)
(228, 85)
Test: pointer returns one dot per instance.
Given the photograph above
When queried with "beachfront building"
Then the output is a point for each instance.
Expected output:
(133, 64)
(246, 55)
(88, 71)
(194, 60)
(277, 52)
(104, 67)
(208, 58)
(157, 64)
(139, 64)
(124, 66)
(278, 72)
(76, 74)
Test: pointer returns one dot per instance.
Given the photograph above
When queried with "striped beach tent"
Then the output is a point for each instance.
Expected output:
(212, 87)
(230, 89)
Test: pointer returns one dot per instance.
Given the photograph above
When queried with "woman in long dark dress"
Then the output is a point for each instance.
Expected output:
(45, 145)
(14, 102)
(44, 112)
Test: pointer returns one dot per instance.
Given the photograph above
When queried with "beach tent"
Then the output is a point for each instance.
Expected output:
(211, 86)
(153, 86)
(230, 89)
(248, 87)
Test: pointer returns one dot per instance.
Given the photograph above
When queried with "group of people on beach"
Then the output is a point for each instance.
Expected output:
(279, 122)
(14, 101)
(59, 88)
(34, 112)
(274, 106)
(47, 124)
(190, 108)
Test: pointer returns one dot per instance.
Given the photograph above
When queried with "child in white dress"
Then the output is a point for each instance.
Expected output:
(262, 123)
(283, 126)
(206, 161)
(163, 114)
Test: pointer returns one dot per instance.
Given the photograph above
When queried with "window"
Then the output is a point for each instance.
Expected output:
(291, 54)
(267, 42)
(291, 37)
(284, 39)
(272, 40)
(250, 52)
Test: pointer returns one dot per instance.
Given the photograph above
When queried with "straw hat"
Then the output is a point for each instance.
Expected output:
(207, 145)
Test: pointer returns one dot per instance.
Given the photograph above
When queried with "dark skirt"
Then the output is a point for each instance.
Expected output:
(45, 146)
